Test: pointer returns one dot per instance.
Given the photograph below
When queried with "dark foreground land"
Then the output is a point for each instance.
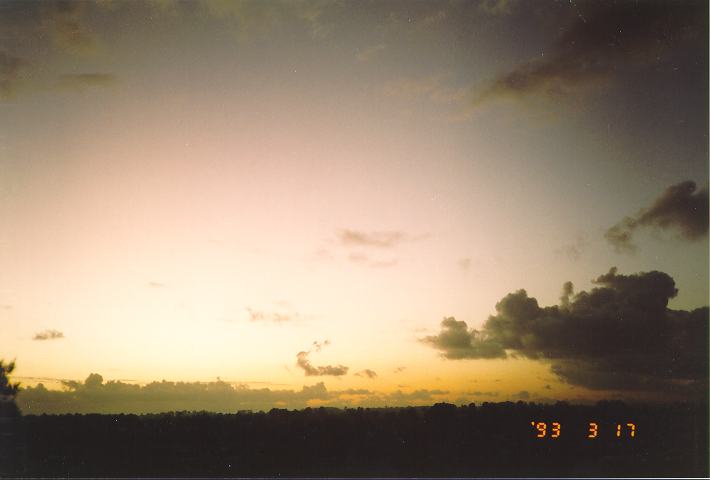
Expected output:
(443, 440)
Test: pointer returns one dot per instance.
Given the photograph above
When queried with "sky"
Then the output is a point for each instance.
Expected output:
(343, 203)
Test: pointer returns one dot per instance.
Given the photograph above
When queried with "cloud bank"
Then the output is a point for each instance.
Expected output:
(94, 395)
(618, 336)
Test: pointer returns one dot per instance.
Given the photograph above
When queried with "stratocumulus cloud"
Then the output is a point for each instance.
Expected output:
(620, 335)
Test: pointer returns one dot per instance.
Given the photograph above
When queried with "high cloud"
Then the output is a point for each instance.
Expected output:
(48, 335)
(605, 39)
(682, 207)
(620, 335)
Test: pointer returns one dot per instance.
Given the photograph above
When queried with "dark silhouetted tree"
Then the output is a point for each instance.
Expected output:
(9, 424)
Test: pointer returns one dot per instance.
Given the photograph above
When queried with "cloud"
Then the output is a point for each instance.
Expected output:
(275, 317)
(257, 19)
(522, 395)
(464, 264)
(479, 393)
(82, 81)
(603, 41)
(682, 208)
(456, 341)
(153, 284)
(435, 88)
(48, 335)
(573, 251)
(355, 241)
(399, 369)
(11, 68)
(417, 395)
(69, 27)
(618, 336)
(496, 7)
(363, 259)
(367, 373)
(95, 395)
(303, 362)
(369, 53)
(354, 238)
(317, 346)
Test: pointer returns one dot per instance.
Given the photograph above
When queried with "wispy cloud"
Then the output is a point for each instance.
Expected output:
(371, 374)
(363, 259)
(11, 67)
(464, 264)
(573, 251)
(605, 39)
(48, 335)
(82, 81)
(435, 88)
(367, 54)
(386, 239)
(275, 317)
(682, 208)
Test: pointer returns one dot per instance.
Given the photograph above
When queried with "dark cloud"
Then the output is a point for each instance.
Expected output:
(620, 335)
(682, 207)
(457, 341)
(605, 39)
(303, 362)
(48, 335)
(367, 373)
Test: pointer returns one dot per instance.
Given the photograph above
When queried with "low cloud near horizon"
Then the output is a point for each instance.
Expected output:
(94, 395)
(621, 335)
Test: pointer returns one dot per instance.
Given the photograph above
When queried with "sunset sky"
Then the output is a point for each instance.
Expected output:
(281, 194)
